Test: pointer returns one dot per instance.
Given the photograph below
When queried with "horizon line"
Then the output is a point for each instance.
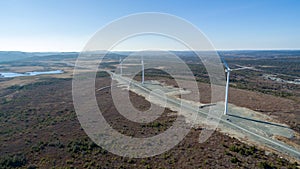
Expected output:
(75, 51)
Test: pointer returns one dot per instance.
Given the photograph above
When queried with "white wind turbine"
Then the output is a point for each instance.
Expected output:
(143, 70)
(121, 66)
(227, 70)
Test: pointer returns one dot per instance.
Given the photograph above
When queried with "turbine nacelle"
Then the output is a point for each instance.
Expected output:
(228, 70)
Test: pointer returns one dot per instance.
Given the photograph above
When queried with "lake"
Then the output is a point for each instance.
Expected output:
(12, 74)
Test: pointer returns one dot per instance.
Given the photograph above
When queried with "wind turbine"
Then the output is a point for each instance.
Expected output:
(121, 66)
(143, 70)
(227, 70)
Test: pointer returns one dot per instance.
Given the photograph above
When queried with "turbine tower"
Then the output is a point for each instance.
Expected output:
(121, 66)
(143, 70)
(227, 70)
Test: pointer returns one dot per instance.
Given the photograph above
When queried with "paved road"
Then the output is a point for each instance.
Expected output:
(245, 126)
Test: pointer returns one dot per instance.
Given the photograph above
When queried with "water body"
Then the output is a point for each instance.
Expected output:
(35, 73)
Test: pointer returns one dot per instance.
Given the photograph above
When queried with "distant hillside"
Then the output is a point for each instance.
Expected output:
(260, 53)
(6, 56)
(55, 56)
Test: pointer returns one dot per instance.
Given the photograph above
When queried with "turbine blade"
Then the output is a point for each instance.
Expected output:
(242, 68)
(224, 62)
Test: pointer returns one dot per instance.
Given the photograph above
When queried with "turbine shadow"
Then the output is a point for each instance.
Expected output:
(258, 121)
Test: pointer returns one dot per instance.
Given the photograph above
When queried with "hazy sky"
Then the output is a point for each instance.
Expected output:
(66, 25)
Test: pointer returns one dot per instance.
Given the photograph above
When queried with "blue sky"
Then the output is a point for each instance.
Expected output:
(66, 25)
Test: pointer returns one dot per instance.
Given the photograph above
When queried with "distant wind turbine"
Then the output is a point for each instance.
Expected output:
(143, 70)
(121, 66)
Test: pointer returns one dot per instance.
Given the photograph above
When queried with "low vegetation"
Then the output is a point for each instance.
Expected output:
(39, 127)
